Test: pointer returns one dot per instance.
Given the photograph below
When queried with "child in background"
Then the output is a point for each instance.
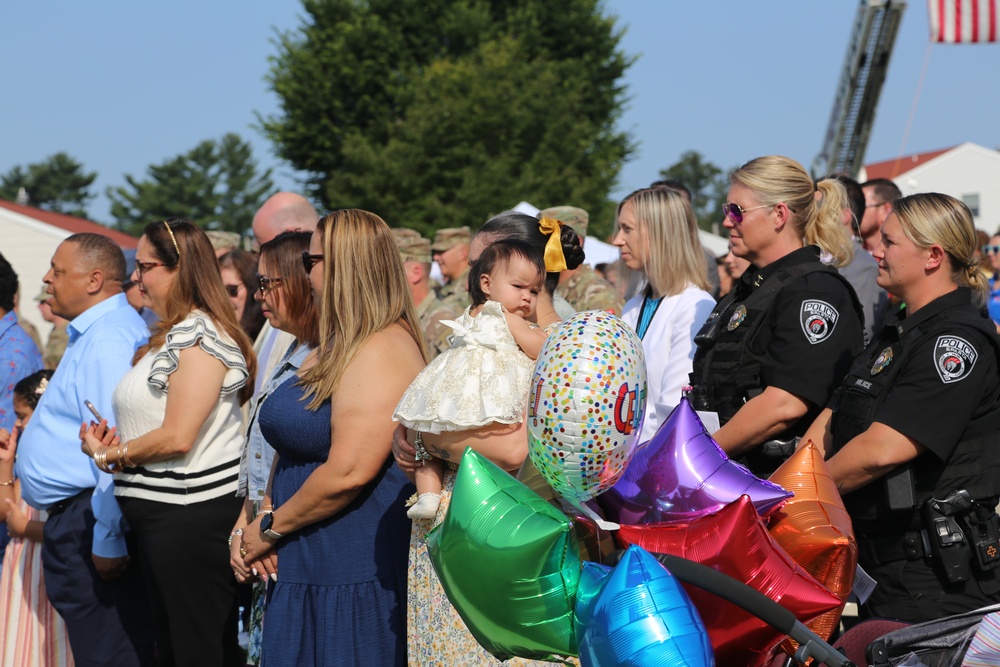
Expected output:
(483, 377)
(33, 633)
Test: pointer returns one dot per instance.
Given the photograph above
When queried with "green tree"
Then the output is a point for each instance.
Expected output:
(437, 113)
(706, 181)
(58, 184)
(216, 184)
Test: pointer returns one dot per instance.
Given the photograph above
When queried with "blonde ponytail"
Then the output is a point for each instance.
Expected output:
(825, 228)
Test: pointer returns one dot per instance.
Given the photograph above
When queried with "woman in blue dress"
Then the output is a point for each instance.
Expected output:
(338, 534)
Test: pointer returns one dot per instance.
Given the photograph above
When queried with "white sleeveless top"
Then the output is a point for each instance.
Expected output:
(211, 468)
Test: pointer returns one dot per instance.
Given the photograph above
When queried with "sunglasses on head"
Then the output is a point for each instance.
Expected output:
(991, 249)
(735, 212)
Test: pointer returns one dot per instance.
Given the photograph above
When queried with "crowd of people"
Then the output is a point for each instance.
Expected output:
(278, 430)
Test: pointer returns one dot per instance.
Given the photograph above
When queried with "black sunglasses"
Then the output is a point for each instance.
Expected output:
(232, 290)
(309, 261)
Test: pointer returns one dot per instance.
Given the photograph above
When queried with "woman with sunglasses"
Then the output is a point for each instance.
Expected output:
(239, 275)
(664, 262)
(176, 463)
(920, 410)
(991, 252)
(338, 528)
(773, 351)
(284, 292)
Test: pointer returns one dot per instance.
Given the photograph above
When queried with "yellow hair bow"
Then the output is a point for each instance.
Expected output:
(555, 260)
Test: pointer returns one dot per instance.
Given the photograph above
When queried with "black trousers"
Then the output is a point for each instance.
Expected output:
(107, 621)
(914, 591)
(193, 593)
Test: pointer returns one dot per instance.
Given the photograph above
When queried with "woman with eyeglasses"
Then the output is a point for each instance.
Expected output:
(775, 348)
(919, 412)
(338, 529)
(657, 235)
(239, 275)
(176, 455)
(991, 252)
(284, 292)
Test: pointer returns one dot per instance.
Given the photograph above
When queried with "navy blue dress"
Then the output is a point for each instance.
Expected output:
(340, 598)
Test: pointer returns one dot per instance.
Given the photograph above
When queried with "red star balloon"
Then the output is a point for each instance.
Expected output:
(736, 542)
(815, 529)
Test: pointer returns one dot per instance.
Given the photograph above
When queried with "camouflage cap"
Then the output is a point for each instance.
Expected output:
(412, 246)
(445, 239)
(575, 217)
(223, 240)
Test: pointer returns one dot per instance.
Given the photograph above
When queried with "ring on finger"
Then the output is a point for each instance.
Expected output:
(243, 552)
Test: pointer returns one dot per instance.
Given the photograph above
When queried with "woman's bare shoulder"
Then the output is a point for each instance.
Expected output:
(390, 347)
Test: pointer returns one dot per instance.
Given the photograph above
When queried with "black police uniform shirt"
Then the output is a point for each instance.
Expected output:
(813, 334)
(948, 380)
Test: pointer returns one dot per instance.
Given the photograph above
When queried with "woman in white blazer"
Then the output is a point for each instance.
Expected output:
(657, 235)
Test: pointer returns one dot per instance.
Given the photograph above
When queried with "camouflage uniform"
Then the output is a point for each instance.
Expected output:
(585, 290)
(55, 346)
(430, 311)
(455, 293)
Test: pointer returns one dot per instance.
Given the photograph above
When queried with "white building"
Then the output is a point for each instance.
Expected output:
(28, 239)
(968, 172)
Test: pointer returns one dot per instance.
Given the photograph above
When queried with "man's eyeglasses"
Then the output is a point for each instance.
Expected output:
(232, 290)
(873, 205)
(309, 261)
(265, 284)
(991, 249)
(735, 212)
(143, 267)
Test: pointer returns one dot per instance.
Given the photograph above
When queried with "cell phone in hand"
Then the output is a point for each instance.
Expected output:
(97, 415)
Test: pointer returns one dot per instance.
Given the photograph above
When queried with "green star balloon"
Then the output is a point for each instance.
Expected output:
(508, 562)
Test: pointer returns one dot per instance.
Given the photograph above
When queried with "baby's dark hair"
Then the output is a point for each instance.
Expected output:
(497, 256)
(31, 388)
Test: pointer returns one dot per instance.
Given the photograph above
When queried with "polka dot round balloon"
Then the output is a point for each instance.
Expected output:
(588, 396)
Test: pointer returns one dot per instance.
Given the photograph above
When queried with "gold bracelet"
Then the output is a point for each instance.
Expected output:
(10, 482)
(123, 456)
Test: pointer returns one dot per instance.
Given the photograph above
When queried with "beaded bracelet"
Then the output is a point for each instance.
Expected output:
(236, 533)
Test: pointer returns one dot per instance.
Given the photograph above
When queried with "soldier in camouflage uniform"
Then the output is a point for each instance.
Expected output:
(451, 251)
(415, 251)
(582, 287)
(58, 338)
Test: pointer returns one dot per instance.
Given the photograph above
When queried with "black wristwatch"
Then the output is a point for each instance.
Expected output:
(265, 527)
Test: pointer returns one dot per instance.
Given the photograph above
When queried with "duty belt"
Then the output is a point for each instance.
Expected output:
(879, 549)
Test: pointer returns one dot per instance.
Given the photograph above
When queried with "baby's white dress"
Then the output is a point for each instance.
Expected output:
(482, 378)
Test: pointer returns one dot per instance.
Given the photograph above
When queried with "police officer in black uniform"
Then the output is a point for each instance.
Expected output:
(777, 346)
(914, 427)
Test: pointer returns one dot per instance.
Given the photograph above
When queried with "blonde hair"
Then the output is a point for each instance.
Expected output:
(675, 257)
(931, 218)
(364, 291)
(815, 207)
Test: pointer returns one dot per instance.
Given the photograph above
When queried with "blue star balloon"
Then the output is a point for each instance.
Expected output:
(638, 615)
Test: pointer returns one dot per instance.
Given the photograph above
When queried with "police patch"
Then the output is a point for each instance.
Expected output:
(954, 358)
(818, 319)
(736, 320)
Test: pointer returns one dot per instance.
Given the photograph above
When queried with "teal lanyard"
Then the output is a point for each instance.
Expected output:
(646, 313)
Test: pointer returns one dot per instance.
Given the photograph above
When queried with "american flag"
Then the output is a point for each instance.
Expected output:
(963, 21)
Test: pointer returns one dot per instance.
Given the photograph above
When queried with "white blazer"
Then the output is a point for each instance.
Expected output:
(669, 349)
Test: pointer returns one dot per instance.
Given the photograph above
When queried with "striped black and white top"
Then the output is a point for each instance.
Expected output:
(211, 468)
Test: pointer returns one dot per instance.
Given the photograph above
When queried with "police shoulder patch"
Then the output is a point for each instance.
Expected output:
(954, 358)
(818, 319)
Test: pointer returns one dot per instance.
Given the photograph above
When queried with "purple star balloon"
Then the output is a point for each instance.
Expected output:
(682, 474)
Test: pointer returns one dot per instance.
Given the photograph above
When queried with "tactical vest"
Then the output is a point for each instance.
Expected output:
(731, 346)
(975, 463)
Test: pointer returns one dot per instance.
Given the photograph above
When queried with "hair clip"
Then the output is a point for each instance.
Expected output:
(42, 386)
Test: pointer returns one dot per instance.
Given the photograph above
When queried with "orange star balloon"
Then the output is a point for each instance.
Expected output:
(815, 529)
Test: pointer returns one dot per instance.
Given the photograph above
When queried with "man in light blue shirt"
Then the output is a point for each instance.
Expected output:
(88, 576)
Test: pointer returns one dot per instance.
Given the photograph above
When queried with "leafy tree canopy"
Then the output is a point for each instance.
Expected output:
(439, 113)
(58, 184)
(707, 182)
(216, 184)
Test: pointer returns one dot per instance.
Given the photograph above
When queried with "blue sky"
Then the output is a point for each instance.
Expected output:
(122, 85)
